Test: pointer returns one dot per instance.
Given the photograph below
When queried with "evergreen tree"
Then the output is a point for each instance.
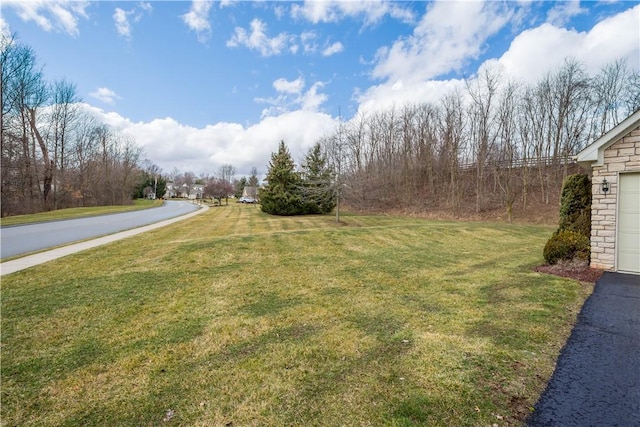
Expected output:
(149, 184)
(575, 205)
(240, 184)
(281, 194)
(317, 189)
(253, 179)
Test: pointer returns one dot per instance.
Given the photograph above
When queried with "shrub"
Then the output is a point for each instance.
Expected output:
(566, 246)
(571, 240)
(575, 205)
(276, 201)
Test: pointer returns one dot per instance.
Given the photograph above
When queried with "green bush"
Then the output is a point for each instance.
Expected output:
(277, 201)
(566, 246)
(575, 205)
(571, 240)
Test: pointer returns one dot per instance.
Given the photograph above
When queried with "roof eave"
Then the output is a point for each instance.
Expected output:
(593, 154)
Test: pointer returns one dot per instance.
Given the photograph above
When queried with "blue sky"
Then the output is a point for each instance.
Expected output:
(201, 84)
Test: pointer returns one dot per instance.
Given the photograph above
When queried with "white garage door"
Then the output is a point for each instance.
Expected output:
(629, 223)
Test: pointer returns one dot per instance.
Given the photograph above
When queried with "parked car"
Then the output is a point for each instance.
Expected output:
(247, 200)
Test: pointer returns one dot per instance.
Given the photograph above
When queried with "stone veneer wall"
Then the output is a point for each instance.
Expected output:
(622, 156)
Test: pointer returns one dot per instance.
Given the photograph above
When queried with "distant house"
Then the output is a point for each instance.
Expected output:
(613, 160)
(192, 192)
(186, 191)
(171, 191)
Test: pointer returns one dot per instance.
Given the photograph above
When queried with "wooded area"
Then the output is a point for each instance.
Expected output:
(498, 143)
(54, 155)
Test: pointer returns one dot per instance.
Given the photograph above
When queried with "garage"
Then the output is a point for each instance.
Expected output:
(613, 161)
(629, 223)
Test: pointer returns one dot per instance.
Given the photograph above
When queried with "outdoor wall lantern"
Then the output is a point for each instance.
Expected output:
(605, 186)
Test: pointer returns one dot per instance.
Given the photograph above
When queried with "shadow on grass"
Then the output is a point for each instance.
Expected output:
(268, 304)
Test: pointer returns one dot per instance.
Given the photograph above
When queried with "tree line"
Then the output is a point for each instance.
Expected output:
(53, 154)
(498, 142)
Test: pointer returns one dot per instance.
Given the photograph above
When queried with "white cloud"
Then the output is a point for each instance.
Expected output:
(563, 11)
(536, 51)
(293, 86)
(257, 39)
(146, 6)
(122, 22)
(335, 10)
(60, 15)
(170, 144)
(197, 19)
(227, 3)
(121, 18)
(531, 55)
(291, 96)
(279, 11)
(449, 34)
(105, 95)
(336, 47)
(385, 96)
(312, 100)
(307, 38)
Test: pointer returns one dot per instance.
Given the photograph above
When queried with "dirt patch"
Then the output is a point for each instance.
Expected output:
(581, 273)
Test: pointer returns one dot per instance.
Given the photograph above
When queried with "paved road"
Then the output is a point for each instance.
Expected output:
(18, 240)
(597, 377)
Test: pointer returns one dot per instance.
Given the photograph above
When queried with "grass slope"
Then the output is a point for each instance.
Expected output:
(239, 318)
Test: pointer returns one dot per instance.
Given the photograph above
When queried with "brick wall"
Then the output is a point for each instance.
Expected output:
(622, 156)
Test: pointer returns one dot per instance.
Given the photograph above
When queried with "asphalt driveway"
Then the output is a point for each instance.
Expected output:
(597, 377)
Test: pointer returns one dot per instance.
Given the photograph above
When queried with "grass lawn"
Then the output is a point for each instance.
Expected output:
(235, 317)
(72, 213)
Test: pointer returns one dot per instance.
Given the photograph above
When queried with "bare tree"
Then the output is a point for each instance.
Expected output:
(227, 173)
(253, 178)
(483, 125)
(334, 150)
(129, 172)
(218, 189)
(188, 179)
(63, 113)
(631, 95)
(23, 94)
(451, 136)
(83, 168)
(507, 165)
(609, 89)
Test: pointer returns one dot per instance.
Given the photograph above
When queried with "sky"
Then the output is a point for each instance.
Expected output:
(207, 83)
